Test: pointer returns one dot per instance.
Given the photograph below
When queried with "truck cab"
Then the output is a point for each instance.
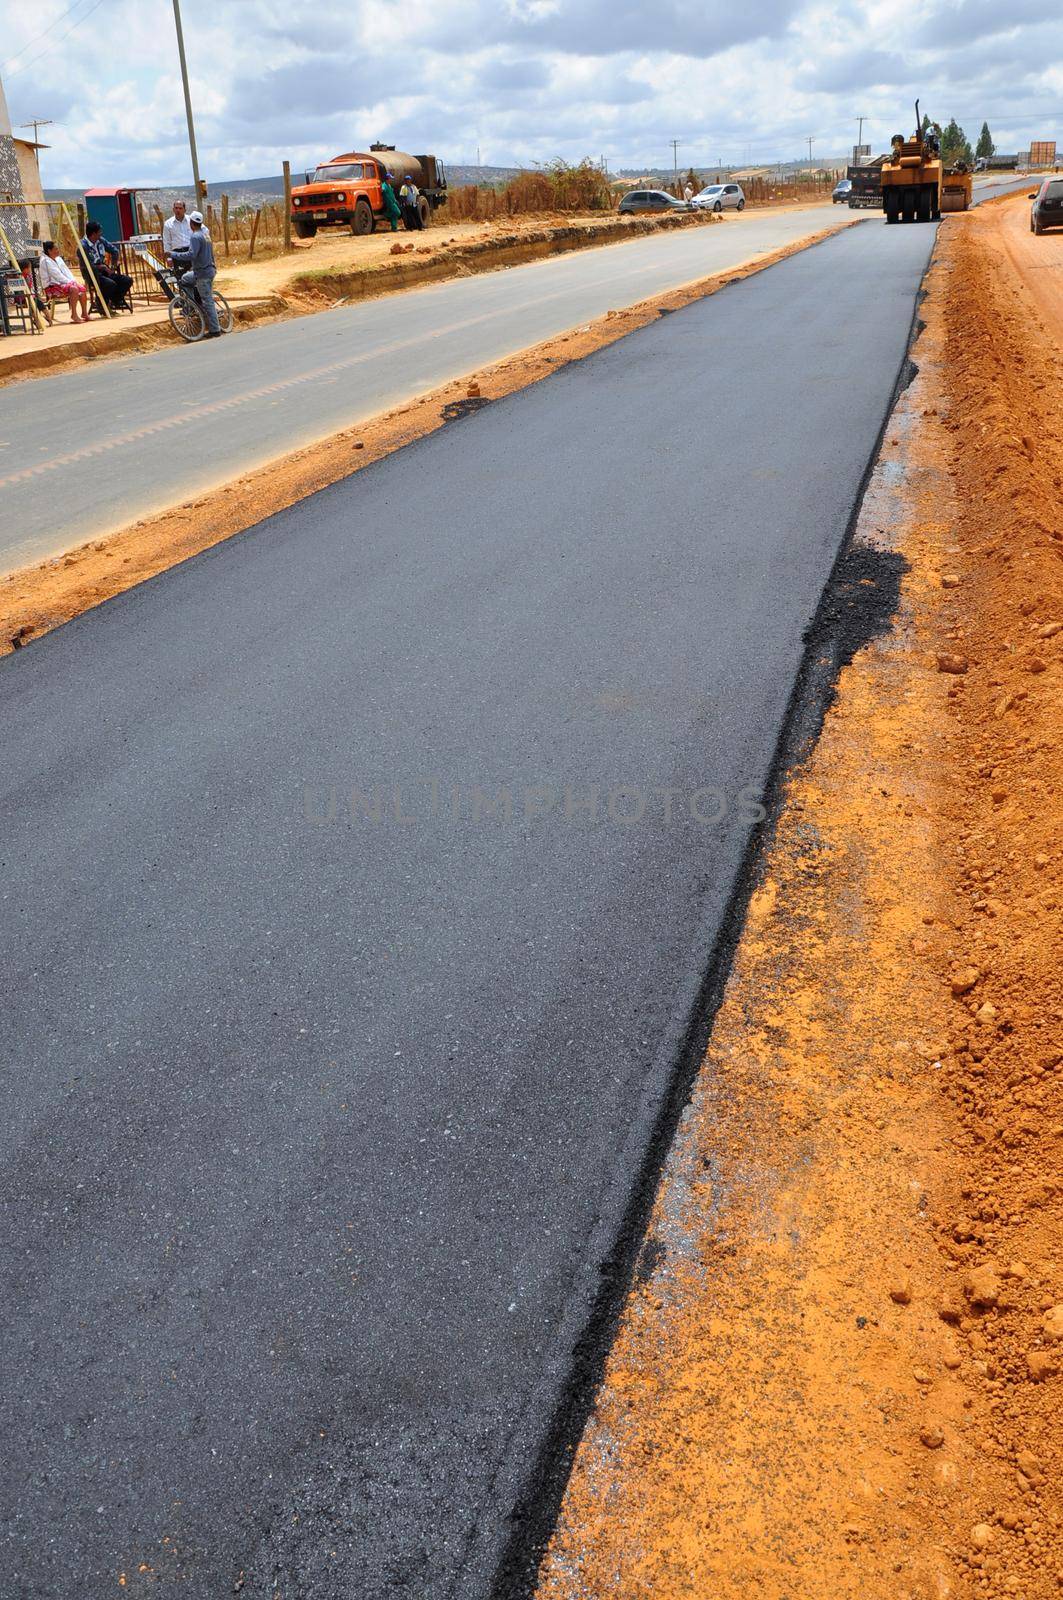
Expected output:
(345, 192)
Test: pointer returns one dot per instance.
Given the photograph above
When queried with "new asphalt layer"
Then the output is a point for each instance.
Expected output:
(359, 879)
(87, 451)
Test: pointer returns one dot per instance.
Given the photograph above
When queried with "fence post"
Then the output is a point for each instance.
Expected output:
(287, 205)
(254, 230)
(225, 222)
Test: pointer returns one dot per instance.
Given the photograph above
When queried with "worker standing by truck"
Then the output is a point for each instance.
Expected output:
(391, 205)
(409, 196)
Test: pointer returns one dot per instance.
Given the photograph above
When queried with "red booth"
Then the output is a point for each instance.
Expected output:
(116, 212)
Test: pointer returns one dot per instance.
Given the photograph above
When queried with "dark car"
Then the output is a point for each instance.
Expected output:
(641, 201)
(841, 191)
(1047, 209)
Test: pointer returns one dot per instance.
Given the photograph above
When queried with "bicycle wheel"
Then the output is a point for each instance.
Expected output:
(186, 319)
(225, 316)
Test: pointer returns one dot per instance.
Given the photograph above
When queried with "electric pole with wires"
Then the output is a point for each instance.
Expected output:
(188, 103)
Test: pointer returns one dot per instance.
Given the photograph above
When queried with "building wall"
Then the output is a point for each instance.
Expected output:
(32, 192)
(15, 220)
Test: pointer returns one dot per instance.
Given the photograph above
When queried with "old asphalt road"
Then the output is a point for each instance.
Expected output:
(87, 451)
(320, 1113)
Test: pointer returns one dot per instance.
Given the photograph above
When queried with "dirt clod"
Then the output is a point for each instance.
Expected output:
(982, 1288)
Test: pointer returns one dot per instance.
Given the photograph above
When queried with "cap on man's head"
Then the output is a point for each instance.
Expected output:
(195, 216)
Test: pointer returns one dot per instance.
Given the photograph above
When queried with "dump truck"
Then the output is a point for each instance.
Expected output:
(345, 192)
(865, 193)
(915, 185)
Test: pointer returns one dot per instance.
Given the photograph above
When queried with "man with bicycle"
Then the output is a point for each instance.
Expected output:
(198, 260)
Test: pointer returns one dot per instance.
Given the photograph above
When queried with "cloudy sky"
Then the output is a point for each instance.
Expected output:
(523, 80)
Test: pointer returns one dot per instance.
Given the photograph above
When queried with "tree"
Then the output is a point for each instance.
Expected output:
(954, 145)
(985, 146)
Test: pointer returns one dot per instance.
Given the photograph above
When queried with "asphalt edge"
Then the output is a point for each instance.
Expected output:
(538, 1504)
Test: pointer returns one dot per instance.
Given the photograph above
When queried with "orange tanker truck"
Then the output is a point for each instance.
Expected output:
(345, 192)
(916, 187)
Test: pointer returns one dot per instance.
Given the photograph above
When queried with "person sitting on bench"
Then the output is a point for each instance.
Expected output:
(103, 258)
(59, 283)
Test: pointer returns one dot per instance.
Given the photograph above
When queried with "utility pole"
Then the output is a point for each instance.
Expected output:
(860, 131)
(675, 143)
(188, 102)
(35, 123)
(810, 138)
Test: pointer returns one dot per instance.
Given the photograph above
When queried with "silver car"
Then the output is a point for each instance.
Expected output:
(718, 196)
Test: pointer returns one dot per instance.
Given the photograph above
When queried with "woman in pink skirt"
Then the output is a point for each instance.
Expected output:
(59, 283)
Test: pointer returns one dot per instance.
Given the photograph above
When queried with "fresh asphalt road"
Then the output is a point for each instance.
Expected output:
(320, 1111)
(87, 451)
(1005, 183)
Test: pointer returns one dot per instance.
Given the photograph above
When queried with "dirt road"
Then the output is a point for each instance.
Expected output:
(838, 1375)
(334, 253)
(1035, 261)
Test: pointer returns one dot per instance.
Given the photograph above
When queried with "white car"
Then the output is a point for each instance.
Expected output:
(718, 196)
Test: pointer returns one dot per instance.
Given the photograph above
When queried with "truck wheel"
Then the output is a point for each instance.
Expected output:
(304, 229)
(424, 211)
(363, 218)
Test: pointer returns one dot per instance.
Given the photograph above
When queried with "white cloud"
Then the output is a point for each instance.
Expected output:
(526, 80)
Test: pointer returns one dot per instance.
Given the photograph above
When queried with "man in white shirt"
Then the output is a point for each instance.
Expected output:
(176, 232)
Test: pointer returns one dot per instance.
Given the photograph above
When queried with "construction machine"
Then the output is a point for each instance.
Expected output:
(915, 185)
(956, 187)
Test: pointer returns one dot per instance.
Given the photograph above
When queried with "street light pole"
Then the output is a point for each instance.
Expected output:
(188, 101)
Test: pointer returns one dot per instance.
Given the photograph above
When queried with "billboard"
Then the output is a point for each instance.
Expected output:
(1042, 153)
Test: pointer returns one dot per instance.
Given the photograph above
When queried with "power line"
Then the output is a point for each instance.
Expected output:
(49, 48)
(43, 33)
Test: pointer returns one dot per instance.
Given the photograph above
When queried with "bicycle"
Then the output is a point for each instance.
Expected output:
(187, 318)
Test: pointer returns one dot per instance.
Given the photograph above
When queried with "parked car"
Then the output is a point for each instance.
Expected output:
(718, 196)
(841, 191)
(645, 200)
(1047, 208)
